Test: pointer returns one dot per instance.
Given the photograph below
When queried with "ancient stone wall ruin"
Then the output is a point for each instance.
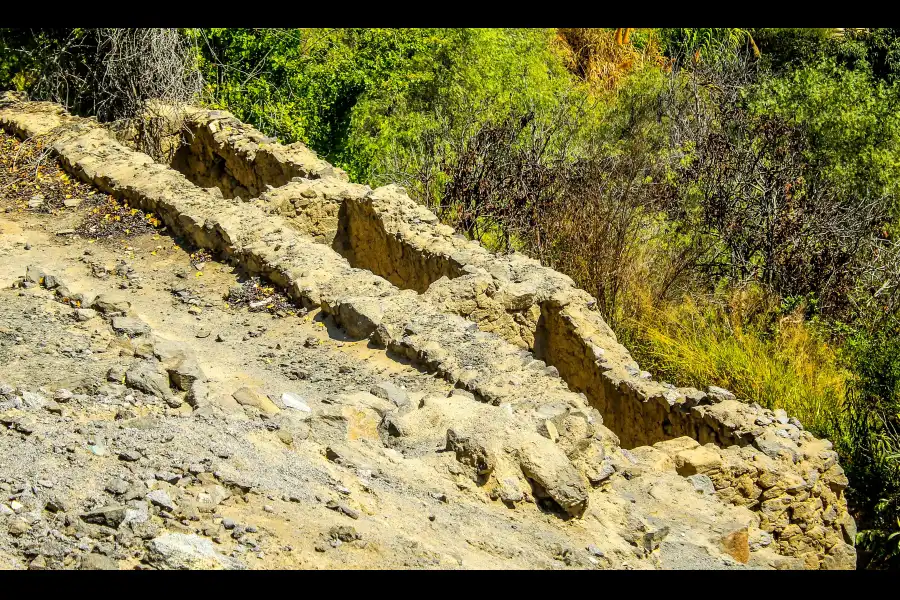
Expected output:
(512, 332)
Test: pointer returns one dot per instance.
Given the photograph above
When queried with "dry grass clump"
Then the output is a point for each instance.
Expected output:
(739, 343)
(604, 57)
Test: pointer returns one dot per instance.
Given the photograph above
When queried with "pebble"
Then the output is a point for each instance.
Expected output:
(117, 487)
(291, 400)
(129, 456)
(62, 395)
(168, 477)
(161, 499)
(98, 450)
(342, 508)
(18, 527)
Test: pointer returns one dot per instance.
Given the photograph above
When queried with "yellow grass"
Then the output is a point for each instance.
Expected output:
(699, 344)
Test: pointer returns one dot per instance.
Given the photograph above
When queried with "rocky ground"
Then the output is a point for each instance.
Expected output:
(157, 410)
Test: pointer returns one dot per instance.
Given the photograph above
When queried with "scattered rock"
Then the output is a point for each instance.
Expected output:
(111, 516)
(110, 306)
(342, 508)
(344, 533)
(188, 552)
(185, 373)
(145, 377)
(720, 393)
(130, 326)
(85, 314)
(291, 400)
(130, 455)
(161, 499)
(247, 396)
(98, 562)
(388, 391)
(702, 483)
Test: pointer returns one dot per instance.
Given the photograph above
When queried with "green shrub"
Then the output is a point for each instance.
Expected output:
(870, 444)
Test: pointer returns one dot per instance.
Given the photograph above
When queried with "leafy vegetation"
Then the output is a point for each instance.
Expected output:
(729, 195)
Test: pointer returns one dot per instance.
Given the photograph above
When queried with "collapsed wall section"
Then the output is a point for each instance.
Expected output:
(513, 315)
(215, 150)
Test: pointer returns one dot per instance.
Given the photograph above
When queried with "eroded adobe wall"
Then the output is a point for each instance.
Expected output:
(516, 327)
(774, 467)
(213, 149)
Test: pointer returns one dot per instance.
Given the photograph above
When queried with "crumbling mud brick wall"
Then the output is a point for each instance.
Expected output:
(515, 334)
(213, 149)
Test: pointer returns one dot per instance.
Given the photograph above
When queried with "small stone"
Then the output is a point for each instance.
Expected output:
(388, 391)
(247, 396)
(110, 305)
(703, 484)
(720, 393)
(130, 326)
(344, 533)
(117, 487)
(188, 552)
(129, 456)
(98, 450)
(62, 395)
(291, 400)
(18, 527)
(185, 373)
(84, 314)
(111, 516)
(342, 508)
(53, 408)
(161, 499)
(145, 377)
(98, 562)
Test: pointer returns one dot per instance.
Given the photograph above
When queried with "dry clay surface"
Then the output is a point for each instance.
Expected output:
(147, 422)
